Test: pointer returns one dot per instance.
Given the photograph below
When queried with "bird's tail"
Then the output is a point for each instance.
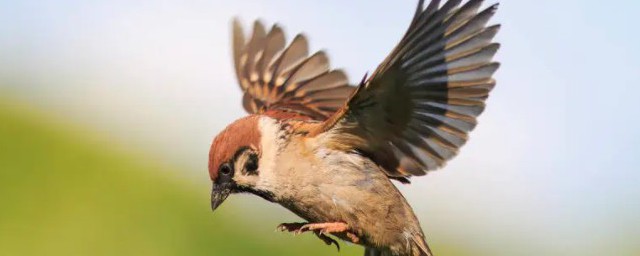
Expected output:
(422, 245)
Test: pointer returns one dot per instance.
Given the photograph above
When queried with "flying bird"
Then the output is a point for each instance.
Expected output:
(328, 151)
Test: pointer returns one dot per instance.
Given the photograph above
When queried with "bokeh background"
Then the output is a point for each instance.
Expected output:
(108, 108)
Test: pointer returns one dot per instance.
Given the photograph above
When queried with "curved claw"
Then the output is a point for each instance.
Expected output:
(327, 240)
(290, 227)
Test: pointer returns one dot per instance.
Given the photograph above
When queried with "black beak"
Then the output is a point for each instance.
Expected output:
(219, 193)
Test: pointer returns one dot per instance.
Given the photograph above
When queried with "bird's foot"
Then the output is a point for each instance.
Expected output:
(320, 229)
(327, 240)
(296, 228)
(290, 227)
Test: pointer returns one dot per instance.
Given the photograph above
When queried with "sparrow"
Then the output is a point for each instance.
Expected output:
(328, 151)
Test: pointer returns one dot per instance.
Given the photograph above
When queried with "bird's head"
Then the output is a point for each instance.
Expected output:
(237, 161)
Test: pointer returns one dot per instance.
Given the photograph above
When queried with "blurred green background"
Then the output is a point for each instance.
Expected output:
(108, 109)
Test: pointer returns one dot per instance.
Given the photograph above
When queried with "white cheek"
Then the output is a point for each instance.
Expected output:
(245, 179)
(269, 148)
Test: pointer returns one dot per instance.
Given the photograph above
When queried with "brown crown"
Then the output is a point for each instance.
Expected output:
(241, 133)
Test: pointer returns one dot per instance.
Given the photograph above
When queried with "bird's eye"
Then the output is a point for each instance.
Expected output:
(252, 163)
(225, 169)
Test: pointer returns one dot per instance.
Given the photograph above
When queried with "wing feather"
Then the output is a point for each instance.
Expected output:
(416, 110)
(285, 78)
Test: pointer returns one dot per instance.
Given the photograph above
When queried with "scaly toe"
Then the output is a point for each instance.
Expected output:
(290, 227)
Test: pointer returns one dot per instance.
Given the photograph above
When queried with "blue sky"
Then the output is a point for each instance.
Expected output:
(555, 156)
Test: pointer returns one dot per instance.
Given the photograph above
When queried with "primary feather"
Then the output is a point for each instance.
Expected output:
(275, 77)
(416, 110)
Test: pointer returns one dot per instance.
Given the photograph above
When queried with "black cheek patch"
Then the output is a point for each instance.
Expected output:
(251, 167)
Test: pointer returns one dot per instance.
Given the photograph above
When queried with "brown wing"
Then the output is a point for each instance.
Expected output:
(275, 77)
(416, 110)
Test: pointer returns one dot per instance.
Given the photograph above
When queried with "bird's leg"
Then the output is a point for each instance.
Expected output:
(329, 227)
(296, 228)
(320, 229)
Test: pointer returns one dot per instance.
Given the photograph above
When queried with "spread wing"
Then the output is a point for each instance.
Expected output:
(417, 108)
(278, 78)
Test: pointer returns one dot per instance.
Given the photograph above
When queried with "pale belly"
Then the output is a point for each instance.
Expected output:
(358, 194)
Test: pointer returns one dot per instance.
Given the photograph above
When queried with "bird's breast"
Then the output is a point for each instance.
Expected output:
(334, 186)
